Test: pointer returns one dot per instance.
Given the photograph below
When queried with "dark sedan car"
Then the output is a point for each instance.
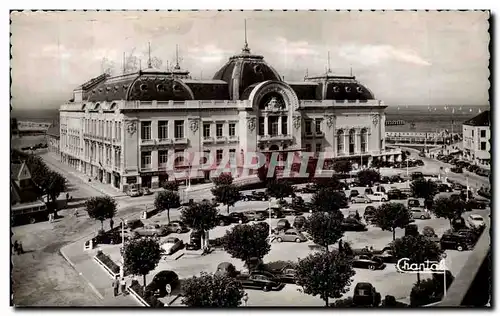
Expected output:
(353, 225)
(456, 241)
(260, 280)
(239, 218)
(254, 215)
(163, 283)
(457, 170)
(396, 195)
(475, 204)
(365, 262)
(223, 220)
(442, 187)
(365, 294)
(395, 179)
(256, 196)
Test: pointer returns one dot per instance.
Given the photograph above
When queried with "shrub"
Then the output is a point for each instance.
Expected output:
(147, 296)
(390, 301)
(344, 302)
(107, 261)
(423, 293)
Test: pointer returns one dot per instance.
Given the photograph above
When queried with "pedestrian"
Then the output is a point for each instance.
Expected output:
(16, 247)
(116, 286)
(67, 196)
(123, 284)
(111, 223)
(21, 250)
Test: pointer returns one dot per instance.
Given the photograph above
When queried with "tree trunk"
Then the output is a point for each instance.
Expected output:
(228, 208)
(168, 214)
(393, 234)
(418, 277)
(144, 280)
(326, 301)
(102, 225)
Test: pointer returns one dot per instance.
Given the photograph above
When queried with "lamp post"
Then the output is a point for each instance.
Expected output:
(443, 256)
(123, 248)
(270, 222)
(467, 193)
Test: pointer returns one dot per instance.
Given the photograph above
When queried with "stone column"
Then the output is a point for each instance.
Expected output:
(154, 159)
(266, 125)
(279, 125)
(346, 141)
(357, 141)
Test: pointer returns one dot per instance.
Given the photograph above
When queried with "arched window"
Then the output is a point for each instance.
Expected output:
(352, 135)
(97, 106)
(340, 142)
(113, 106)
(364, 134)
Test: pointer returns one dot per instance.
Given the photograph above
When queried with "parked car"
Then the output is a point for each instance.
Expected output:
(365, 262)
(443, 187)
(378, 196)
(133, 224)
(475, 220)
(354, 184)
(475, 204)
(365, 294)
(395, 179)
(260, 280)
(171, 245)
(456, 241)
(369, 214)
(353, 193)
(396, 194)
(407, 191)
(299, 222)
(457, 170)
(256, 196)
(236, 217)
(385, 180)
(353, 225)
(134, 192)
(360, 199)
(254, 215)
(177, 227)
(223, 220)
(291, 235)
(147, 191)
(420, 213)
(163, 283)
(291, 211)
(308, 188)
(154, 230)
(417, 175)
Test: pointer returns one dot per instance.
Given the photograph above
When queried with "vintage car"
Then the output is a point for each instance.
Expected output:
(171, 245)
(291, 235)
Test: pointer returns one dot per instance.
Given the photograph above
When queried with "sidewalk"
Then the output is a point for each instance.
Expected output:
(54, 162)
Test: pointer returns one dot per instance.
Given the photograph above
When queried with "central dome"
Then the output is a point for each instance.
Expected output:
(244, 70)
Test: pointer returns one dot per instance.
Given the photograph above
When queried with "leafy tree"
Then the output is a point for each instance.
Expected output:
(227, 194)
(212, 290)
(223, 179)
(200, 216)
(368, 177)
(246, 242)
(279, 189)
(171, 186)
(422, 188)
(449, 208)
(327, 274)
(417, 249)
(142, 256)
(165, 200)
(328, 200)
(101, 208)
(390, 216)
(342, 166)
(54, 185)
(325, 228)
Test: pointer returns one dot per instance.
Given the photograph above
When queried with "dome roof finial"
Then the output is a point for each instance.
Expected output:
(245, 49)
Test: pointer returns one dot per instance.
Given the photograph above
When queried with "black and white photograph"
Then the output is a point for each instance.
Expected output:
(271, 158)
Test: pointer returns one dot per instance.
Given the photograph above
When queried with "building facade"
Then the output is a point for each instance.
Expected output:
(476, 143)
(123, 130)
(52, 137)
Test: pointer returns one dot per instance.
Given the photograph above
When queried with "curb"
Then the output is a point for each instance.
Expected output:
(96, 291)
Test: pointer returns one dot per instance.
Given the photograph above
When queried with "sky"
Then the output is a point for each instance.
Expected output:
(405, 58)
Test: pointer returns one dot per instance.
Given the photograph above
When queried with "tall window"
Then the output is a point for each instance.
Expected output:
(284, 125)
(179, 129)
(483, 133)
(352, 136)
(483, 145)
(318, 126)
(218, 155)
(363, 140)
(218, 129)
(146, 130)
(472, 133)
(162, 158)
(308, 127)
(206, 130)
(162, 129)
(179, 157)
(146, 159)
(340, 142)
(273, 125)
(232, 129)
(206, 155)
(232, 154)
(261, 126)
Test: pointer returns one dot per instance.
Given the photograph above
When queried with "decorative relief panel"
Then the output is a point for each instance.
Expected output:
(251, 123)
(194, 124)
(297, 121)
(375, 119)
(131, 127)
(330, 120)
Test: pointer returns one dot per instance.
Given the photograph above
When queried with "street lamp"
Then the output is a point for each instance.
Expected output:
(123, 248)
(443, 256)
(467, 193)
(270, 221)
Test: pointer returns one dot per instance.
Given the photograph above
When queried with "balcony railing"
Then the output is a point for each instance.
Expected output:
(181, 141)
(274, 137)
(147, 141)
(164, 141)
(220, 139)
(207, 140)
(234, 138)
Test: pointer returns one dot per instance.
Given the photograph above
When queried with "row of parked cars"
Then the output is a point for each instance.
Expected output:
(459, 165)
(135, 192)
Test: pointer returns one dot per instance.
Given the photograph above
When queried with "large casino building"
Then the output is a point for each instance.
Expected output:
(123, 130)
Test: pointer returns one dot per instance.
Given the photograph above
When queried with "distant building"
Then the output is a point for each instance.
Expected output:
(123, 130)
(476, 143)
(52, 138)
(22, 188)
